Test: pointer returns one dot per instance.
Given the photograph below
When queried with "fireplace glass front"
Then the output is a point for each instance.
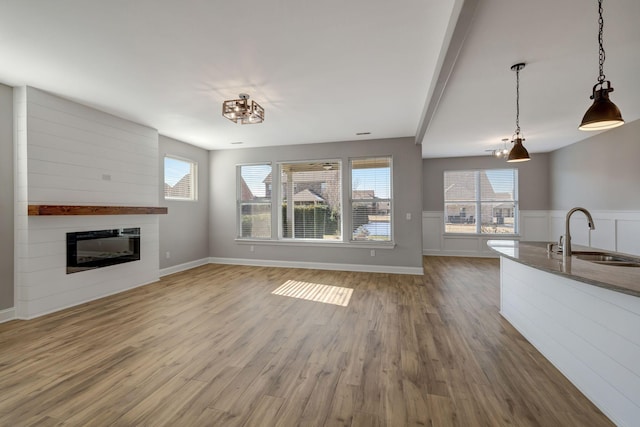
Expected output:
(87, 250)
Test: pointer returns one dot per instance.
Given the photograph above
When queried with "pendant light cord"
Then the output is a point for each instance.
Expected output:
(601, 52)
(518, 100)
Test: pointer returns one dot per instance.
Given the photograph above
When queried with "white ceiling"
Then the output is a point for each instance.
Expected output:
(323, 70)
(326, 70)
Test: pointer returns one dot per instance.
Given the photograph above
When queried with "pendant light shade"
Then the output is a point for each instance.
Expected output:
(603, 114)
(518, 153)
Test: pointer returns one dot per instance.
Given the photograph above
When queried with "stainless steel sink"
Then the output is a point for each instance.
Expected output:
(606, 258)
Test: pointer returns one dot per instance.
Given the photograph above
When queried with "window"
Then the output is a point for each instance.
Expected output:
(179, 179)
(371, 199)
(481, 201)
(310, 195)
(254, 201)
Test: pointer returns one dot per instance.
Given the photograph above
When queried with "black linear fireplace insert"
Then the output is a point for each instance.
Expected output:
(87, 250)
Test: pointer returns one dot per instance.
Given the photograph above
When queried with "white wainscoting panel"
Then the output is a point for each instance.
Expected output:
(615, 230)
(628, 236)
(580, 233)
(461, 244)
(432, 229)
(534, 226)
(604, 236)
(589, 333)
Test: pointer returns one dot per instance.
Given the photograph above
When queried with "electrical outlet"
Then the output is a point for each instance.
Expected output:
(251, 248)
(408, 216)
(373, 252)
(167, 255)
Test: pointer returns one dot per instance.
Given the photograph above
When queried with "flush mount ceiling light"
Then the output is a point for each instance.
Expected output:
(603, 114)
(242, 110)
(518, 153)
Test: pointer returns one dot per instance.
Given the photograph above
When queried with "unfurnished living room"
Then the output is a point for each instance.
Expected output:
(293, 213)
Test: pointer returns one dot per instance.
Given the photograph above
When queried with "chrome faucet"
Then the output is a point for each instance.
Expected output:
(565, 240)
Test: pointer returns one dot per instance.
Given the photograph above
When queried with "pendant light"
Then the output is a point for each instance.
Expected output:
(603, 114)
(518, 153)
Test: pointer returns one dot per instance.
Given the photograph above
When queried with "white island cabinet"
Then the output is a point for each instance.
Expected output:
(583, 317)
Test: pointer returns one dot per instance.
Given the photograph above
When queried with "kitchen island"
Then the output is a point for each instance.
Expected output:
(582, 316)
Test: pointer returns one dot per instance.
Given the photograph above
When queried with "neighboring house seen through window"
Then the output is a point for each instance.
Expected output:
(180, 179)
(310, 200)
(481, 201)
(302, 201)
(254, 201)
(371, 199)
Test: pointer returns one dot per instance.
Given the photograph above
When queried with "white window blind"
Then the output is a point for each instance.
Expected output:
(481, 201)
(254, 201)
(310, 200)
(179, 179)
(371, 201)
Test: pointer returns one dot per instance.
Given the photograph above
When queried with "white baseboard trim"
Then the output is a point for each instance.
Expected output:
(7, 314)
(320, 266)
(468, 254)
(182, 267)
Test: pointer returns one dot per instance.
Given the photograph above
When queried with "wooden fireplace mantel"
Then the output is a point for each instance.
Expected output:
(40, 210)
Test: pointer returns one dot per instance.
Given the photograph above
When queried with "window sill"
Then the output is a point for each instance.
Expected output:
(179, 199)
(487, 235)
(316, 243)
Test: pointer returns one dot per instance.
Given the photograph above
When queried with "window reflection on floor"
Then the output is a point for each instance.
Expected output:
(315, 292)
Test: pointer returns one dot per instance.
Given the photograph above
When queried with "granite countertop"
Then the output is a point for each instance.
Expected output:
(535, 254)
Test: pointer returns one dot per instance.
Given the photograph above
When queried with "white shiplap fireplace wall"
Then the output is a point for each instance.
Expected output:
(70, 154)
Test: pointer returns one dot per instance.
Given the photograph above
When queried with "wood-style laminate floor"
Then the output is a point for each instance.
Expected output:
(213, 346)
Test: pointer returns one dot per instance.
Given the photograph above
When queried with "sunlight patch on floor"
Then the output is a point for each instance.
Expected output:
(315, 292)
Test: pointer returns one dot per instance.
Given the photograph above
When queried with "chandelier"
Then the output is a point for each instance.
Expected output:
(500, 153)
(242, 110)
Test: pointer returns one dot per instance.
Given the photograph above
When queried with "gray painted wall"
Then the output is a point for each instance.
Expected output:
(599, 173)
(533, 179)
(6, 197)
(184, 231)
(407, 165)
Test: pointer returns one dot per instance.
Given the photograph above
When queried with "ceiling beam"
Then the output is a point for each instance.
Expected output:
(457, 32)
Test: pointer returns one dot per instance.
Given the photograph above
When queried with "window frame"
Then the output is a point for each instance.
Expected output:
(390, 200)
(194, 178)
(478, 202)
(239, 201)
(344, 198)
